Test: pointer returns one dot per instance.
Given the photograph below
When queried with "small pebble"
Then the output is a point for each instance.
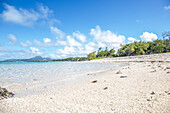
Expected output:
(166, 91)
(119, 72)
(105, 88)
(153, 71)
(123, 76)
(152, 93)
(148, 100)
(167, 67)
(94, 81)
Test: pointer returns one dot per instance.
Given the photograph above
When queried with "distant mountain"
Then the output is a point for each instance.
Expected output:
(34, 59)
(39, 58)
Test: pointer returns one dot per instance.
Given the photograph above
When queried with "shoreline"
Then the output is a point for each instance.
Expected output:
(33, 84)
(138, 87)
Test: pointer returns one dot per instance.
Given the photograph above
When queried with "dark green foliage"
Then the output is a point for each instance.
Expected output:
(157, 46)
(166, 38)
(136, 48)
(111, 53)
(72, 59)
(91, 56)
(101, 53)
(140, 48)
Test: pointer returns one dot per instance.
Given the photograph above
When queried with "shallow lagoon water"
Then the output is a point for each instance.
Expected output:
(25, 73)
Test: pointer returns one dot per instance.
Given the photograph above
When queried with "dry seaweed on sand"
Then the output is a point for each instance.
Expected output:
(4, 93)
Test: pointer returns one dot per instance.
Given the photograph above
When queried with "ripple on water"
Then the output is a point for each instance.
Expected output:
(27, 72)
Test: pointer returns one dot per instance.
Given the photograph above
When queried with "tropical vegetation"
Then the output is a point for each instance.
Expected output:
(136, 48)
(72, 59)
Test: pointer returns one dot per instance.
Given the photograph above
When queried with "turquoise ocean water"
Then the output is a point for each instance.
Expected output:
(28, 72)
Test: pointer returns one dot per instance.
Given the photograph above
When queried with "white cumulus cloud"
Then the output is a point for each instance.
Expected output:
(46, 43)
(13, 39)
(35, 51)
(72, 42)
(131, 40)
(70, 51)
(61, 43)
(90, 47)
(46, 40)
(66, 51)
(106, 38)
(79, 36)
(53, 56)
(24, 17)
(44, 10)
(146, 36)
(59, 34)
(100, 44)
(167, 7)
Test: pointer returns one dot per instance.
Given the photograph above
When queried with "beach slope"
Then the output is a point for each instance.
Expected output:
(142, 86)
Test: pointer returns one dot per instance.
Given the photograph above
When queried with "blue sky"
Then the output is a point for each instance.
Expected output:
(64, 28)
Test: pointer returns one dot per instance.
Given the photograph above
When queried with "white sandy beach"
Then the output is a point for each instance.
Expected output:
(143, 86)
